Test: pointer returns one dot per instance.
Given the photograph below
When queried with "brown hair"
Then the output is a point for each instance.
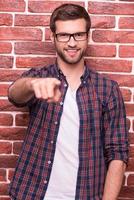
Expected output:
(69, 12)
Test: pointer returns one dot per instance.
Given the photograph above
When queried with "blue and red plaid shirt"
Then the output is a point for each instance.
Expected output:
(103, 136)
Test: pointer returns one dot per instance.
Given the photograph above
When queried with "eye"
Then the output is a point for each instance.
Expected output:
(80, 34)
(63, 35)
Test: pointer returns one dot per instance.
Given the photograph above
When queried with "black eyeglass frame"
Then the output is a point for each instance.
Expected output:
(71, 35)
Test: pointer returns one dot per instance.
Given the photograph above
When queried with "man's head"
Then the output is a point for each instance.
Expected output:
(70, 26)
(69, 12)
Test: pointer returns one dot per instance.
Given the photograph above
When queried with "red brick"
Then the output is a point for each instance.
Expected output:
(5, 105)
(5, 47)
(126, 94)
(6, 19)
(109, 65)
(127, 192)
(126, 51)
(131, 151)
(103, 21)
(2, 175)
(133, 125)
(22, 119)
(31, 20)
(12, 5)
(5, 198)
(3, 89)
(7, 161)
(5, 148)
(101, 51)
(10, 174)
(130, 166)
(126, 22)
(12, 133)
(17, 146)
(6, 61)
(113, 36)
(42, 6)
(6, 119)
(17, 33)
(111, 8)
(34, 61)
(47, 34)
(128, 123)
(130, 109)
(40, 48)
(10, 75)
(124, 179)
(125, 36)
(131, 138)
(123, 80)
(3, 188)
(130, 180)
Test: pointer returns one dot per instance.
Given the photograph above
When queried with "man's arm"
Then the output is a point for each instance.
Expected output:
(114, 180)
(116, 143)
(20, 90)
(43, 88)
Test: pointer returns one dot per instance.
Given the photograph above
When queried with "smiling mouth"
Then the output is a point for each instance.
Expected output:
(72, 52)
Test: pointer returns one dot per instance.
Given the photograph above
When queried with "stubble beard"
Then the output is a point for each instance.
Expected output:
(70, 61)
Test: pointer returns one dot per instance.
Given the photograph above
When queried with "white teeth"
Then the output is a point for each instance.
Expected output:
(72, 50)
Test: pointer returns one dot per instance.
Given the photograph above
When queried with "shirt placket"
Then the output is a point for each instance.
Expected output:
(55, 120)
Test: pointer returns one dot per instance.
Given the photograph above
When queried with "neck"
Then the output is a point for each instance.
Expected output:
(73, 72)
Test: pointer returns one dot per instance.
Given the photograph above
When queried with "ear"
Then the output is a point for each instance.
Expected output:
(52, 37)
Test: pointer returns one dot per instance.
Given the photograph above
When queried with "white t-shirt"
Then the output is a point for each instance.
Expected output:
(62, 183)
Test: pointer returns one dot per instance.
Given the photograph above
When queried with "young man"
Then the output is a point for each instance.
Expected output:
(76, 147)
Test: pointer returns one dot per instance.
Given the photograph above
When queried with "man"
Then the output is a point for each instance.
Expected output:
(76, 147)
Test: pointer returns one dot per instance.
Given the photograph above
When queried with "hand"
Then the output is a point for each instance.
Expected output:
(46, 88)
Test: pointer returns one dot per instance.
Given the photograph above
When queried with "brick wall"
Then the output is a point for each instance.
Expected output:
(25, 42)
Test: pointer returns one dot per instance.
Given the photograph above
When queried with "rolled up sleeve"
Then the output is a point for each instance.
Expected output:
(31, 74)
(115, 126)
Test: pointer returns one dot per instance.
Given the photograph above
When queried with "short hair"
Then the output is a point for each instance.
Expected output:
(69, 12)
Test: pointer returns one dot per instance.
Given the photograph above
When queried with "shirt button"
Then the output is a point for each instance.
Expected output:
(65, 85)
(49, 162)
(45, 181)
(61, 103)
(52, 141)
(84, 82)
(55, 122)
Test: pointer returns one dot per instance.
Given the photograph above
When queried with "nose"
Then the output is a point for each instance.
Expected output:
(72, 42)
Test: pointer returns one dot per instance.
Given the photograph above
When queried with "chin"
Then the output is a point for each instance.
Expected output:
(72, 61)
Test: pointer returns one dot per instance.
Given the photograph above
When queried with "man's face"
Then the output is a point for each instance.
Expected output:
(71, 51)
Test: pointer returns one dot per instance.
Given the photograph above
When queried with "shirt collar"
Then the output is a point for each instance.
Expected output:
(60, 75)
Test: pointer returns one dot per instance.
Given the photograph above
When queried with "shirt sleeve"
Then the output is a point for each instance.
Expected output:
(30, 73)
(115, 126)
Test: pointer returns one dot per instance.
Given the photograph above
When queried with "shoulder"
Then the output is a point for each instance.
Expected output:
(39, 72)
(103, 85)
(101, 80)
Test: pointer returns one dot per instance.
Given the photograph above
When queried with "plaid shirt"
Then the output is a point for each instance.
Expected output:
(102, 136)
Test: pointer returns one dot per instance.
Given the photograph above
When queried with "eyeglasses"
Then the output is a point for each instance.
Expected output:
(65, 37)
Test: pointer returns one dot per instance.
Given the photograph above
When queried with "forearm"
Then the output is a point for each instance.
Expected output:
(21, 91)
(114, 180)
